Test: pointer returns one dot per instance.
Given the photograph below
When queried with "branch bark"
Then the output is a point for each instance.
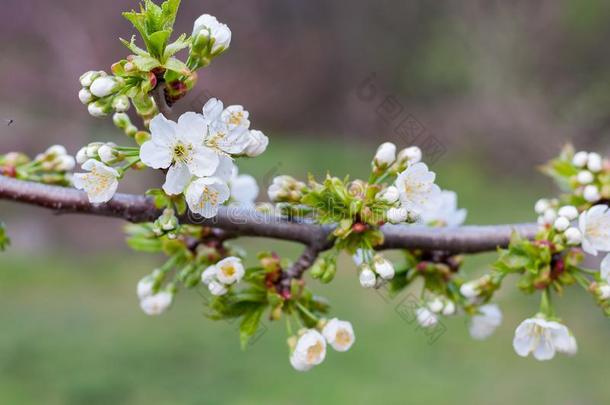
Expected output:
(245, 222)
(159, 96)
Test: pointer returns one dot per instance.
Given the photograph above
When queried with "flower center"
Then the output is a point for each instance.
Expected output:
(343, 338)
(228, 270)
(313, 352)
(208, 196)
(236, 117)
(182, 152)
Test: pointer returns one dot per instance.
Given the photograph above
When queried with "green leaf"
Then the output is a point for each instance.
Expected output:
(157, 42)
(176, 65)
(175, 47)
(131, 45)
(4, 239)
(141, 244)
(249, 325)
(146, 63)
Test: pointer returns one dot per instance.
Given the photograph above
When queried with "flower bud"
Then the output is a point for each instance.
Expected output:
(383, 267)
(104, 86)
(436, 305)
(585, 177)
(397, 215)
(121, 120)
(92, 148)
(257, 144)
(561, 224)
(541, 206)
(65, 163)
(285, 189)
(121, 103)
(389, 195)
(594, 162)
(573, 236)
(98, 109)
(591, 194)
(87, 78)
(410, 155)
(449, 308)
(56, 150)
(426, 318)
(385, 155)
(604, 291)
(568, 211)
(550, 215)
(85, 96)
(81, 155)
(108, 154)
(580, 159)
(367, 277)
(210, 35)
(217, 288)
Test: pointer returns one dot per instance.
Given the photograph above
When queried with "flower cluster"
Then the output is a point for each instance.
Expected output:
(198, 153)
(53, 166)
(153, 301)
(309, 348)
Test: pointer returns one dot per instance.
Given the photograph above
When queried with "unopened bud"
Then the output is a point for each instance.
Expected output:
(121, 103)
(87, 78)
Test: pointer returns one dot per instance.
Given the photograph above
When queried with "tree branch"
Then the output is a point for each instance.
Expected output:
(158, 94)
(245, 222)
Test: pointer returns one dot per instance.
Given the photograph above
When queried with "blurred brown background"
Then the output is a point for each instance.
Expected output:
(511, 80)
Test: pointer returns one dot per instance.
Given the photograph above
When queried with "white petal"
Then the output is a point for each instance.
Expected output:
(162, 130)
(191, 127)
(155, 155)
(244, 189)
(544, 350)
(224, 171)
(205, 161)
(212, 110)
(605, 268)
(178, 176)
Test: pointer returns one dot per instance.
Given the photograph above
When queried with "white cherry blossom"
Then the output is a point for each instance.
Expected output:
(100, 183)
(446, 213)
(310, 350)
(418, 193)
(543, 338)
(178, 146)
(230, 270)
(594, 224)
(205, 195)
(156, 304)
(339, 334)
(483, 324)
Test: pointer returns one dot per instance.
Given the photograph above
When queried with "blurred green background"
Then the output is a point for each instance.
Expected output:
(499, 85)
(72, 331)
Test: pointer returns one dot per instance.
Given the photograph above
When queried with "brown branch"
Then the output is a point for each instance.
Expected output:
(244, 222)
(158, 94)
